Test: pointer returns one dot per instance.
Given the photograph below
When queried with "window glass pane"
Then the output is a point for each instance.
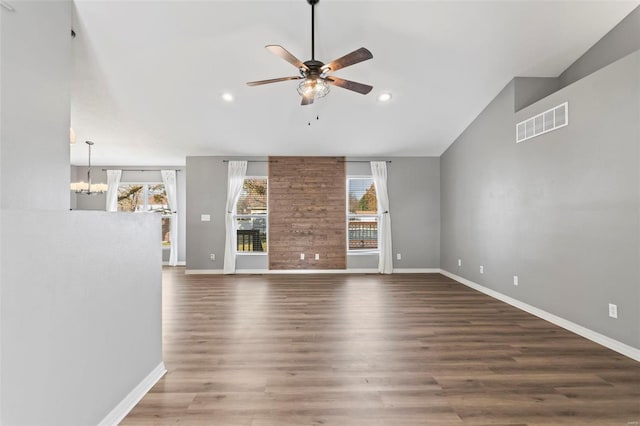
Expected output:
(253, 198)
(363, 233)
(362, 196)
(166, 232)
(130, 198)
(157, 199)
(252, 234)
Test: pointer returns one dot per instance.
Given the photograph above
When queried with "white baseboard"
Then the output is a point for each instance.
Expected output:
(615, 345)
(307, 271)
(180, 263)
(361, 271)
(313, 271)
(203, 271)
(122, 409)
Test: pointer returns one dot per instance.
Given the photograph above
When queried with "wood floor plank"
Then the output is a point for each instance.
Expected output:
(399, 350)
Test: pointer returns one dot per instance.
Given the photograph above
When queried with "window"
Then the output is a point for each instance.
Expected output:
(362, 205)
(251, 216)
(147, 197)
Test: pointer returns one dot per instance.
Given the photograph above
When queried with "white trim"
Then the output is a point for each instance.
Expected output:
(180, 263)
(319, 271)
(313, 271)
(416, 270)
(122, 409)
(203, 271)
(305, 271)
(361, 271)
(615, 345)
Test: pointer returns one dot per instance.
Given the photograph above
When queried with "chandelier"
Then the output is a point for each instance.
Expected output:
(88, 187)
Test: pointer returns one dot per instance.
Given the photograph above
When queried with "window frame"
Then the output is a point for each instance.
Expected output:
(145, 196)
(254, 216)
(350, 215)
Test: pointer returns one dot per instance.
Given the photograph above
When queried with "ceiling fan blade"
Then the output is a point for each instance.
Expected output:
(273, 80)
(349, 85)
(306, 100)
(286, 55)
(352, 58)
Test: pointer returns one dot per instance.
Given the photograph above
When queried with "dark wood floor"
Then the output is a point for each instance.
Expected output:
(373, 350)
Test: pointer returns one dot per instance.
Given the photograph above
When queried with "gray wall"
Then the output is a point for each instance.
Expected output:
(528, 90)
(559, 210)
(81, 325)
(622, 40)
(79, 309)
(98, 201)
(35, 85)
(207, 194)
(414, 187)
(414, 201)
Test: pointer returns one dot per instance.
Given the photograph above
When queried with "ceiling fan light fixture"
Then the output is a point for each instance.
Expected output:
(313, 88)
(315, 74)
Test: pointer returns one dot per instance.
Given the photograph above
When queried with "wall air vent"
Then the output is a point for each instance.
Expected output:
(547, 121)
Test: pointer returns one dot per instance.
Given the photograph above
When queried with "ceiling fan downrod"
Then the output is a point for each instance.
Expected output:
(313, 26)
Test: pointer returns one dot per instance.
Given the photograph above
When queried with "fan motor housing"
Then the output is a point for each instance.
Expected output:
(314, 68)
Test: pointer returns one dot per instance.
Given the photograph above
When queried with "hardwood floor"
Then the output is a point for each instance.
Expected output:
(373, 350)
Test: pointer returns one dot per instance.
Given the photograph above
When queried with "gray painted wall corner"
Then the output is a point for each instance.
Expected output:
(621, 41)
(559, 210)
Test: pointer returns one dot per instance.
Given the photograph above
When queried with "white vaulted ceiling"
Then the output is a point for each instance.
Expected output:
(149, 75)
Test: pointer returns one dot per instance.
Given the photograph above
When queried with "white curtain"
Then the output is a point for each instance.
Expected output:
(379, 172)
(113, 182)
(169, 180)
(236, 174)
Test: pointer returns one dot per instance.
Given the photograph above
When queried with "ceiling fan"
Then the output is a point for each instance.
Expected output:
(314, 74)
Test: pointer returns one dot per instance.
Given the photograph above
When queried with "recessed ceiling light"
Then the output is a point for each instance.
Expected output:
(228, 97)
(384, 97)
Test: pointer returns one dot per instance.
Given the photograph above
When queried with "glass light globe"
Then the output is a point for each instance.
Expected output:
(313, 88)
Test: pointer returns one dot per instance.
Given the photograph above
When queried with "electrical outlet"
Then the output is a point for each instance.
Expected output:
(459, 262)
(212, 256)
(399, 256)
(481, 269)
(301, 256)
(205, 217)
(613, 310)
(317, 256)
(515, 280)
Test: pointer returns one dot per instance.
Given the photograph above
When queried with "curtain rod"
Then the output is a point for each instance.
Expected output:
(275, 161)
(141, 170)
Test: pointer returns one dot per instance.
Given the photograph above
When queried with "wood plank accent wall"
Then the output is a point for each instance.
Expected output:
(307, 212)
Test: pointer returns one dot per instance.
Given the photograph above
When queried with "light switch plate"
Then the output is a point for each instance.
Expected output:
(205, 217)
